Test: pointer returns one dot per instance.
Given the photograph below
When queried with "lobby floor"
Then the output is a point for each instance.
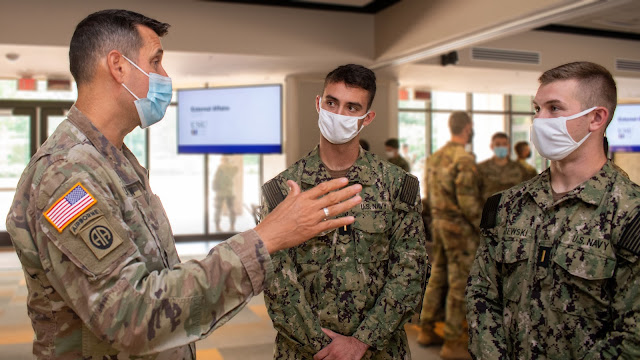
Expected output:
(248, 336)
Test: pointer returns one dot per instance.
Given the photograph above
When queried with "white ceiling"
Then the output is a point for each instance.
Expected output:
(194, 69)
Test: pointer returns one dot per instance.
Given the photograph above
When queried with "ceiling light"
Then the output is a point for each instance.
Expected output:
(12, 56)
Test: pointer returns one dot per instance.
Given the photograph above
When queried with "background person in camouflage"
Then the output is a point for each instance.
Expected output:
(392, 150)
(223, 187)
(453, 191)
(557, 272)
(346, 294)
(523, 152)
(96, 247)
(499, 172)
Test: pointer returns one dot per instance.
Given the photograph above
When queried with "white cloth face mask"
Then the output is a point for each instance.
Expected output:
(336, 128)
(551, 137)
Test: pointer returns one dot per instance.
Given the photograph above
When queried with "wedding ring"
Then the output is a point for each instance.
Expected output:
(326, 213)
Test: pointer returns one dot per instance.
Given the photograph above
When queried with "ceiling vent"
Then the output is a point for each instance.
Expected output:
(627, 65)
(512, 56)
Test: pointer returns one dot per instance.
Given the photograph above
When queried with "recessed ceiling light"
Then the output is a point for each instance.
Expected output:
(12, 56)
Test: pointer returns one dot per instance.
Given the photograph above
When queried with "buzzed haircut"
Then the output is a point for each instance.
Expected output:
(392, 143)
(457, 122)
(499, 135)
(596, 85)
(103, 31)
(520, 146)
(354, 75)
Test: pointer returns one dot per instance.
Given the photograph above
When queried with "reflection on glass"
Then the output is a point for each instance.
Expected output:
(444, 100)
(177, 179)
(488, 102)
(484, 126)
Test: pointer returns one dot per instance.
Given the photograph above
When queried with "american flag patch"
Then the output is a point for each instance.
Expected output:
(69, 207)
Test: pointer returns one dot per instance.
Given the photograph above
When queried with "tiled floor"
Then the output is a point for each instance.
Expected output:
(248, 336)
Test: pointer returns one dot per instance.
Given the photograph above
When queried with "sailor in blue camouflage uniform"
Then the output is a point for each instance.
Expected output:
(348, 293)
(557, 274)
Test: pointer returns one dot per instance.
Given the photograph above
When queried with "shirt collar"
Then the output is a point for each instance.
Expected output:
(591, 191)
(316, 172)
(118, 159)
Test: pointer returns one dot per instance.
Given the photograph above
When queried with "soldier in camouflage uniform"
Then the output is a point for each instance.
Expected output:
(392, 147)
(96, 247)
(523, 152)
(453, 191)
(557, 272)
(347, 293)
(223, 187)
(499, 172)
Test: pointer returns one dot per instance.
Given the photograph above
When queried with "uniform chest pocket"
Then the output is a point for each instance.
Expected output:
(512, 255)
(579, 282)
(371, 232)
(316, 251)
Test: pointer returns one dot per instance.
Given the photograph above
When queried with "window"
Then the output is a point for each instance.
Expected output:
(491, 113)
(177, 179)
(14, 156)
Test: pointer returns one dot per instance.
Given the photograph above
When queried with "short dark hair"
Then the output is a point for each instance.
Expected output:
(103, 31)
(364, 144)
(596, 85)
(499, 135)
(394, 143)
(354, 76)
(457, 122)
(520, 146)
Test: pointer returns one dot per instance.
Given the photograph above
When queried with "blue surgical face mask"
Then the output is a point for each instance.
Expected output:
(501, 151)
(152, 108)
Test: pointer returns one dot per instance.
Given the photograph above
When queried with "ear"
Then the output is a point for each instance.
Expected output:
(600, 117)
(114, 64)
(318, 99)
(369, 118)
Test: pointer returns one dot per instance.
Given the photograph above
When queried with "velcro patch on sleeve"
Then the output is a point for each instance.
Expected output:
(490, 212)
(100, 238)
(272, 193)
(69, 207)
(631, 236)
(410, 189)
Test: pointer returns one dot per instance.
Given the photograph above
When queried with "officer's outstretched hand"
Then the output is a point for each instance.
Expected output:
(301, 215)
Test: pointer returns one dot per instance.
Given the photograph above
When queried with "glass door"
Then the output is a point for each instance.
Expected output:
(15, 152)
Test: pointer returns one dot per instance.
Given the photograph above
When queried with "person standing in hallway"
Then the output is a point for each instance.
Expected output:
(96, 247)
(392, 150)
(523, 152)
(453, 192)
(346, 294)
(223, 187)
(499, 172)
(557, 273)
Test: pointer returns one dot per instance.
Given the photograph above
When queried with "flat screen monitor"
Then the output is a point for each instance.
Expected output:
(230, 120)
(623, 133)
